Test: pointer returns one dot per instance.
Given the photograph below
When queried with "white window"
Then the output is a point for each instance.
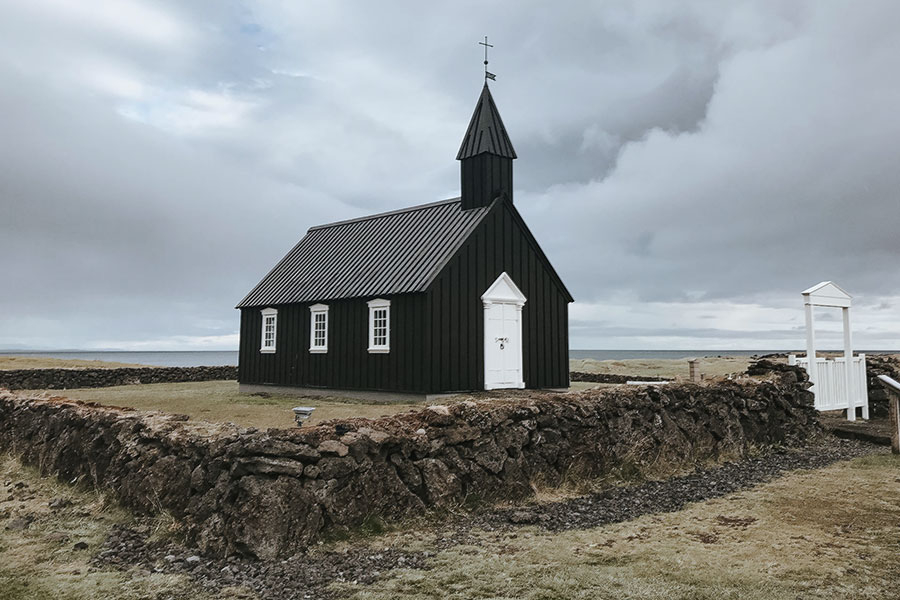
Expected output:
(380, 326)
(318, 328)
(269, 330)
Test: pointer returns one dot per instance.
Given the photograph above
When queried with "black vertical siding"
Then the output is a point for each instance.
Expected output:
(483, 178)
(456, 324)
(347, 364)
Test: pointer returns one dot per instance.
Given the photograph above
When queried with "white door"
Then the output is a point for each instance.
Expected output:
(503, 304)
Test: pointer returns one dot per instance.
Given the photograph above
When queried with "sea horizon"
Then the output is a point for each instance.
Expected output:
(197, 358)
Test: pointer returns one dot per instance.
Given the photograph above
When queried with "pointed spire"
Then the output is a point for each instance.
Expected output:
(486, 133)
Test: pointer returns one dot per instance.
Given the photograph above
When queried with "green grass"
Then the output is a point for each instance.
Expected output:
(220, 402)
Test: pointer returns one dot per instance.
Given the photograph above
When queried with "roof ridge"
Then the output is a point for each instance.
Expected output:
(384, 214)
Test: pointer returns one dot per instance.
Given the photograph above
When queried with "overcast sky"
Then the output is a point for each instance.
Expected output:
(688, 167)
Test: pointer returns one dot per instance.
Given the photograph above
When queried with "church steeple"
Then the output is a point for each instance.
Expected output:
(485, 156)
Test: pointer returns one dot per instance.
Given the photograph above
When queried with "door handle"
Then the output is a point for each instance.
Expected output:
(503, 341)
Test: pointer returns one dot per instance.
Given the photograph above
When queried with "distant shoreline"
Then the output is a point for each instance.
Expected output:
(196, 358)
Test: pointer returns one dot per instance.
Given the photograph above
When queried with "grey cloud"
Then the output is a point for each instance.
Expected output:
(672, 152)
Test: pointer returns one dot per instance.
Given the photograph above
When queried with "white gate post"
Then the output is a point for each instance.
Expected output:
(812, 366)
(848, 373)
(863, 386)
(826, 382)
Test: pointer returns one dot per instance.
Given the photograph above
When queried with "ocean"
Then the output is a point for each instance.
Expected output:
(204, 358)
(226, 357)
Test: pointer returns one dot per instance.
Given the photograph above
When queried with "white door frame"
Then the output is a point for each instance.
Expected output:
(503, 291)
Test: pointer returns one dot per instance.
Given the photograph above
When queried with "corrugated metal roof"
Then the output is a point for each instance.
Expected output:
(486, 132)
(388, 253)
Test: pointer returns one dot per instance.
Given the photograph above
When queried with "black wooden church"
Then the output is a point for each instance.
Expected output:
(443, 297)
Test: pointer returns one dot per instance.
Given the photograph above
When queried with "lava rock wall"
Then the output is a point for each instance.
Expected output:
(271, 493)
(62, 379)
(612, 377)
(878, 397)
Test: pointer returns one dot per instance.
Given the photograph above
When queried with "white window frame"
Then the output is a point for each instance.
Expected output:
(374, 305)
(314, 311)
(269, 312)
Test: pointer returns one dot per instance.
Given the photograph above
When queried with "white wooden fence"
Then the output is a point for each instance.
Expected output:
(830, 388)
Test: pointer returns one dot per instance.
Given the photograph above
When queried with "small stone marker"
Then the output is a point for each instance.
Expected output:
(302, 413)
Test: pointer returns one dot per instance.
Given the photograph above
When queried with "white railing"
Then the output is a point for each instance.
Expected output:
(830, 388)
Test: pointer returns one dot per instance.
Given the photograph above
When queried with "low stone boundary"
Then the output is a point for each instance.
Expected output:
(270, 493)
(62, 379)
(878, 398)
(611, 377)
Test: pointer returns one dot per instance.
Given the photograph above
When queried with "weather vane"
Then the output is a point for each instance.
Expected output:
(487, 74)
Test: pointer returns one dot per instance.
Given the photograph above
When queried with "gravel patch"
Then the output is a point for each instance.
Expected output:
(302, 576)
(626, 503)
(308, 575)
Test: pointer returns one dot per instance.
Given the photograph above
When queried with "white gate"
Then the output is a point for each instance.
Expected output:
(830, 388)
(837, 383)
(503, 303)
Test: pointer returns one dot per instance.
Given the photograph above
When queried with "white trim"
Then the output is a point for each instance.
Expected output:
(504, 290)
(377, 305)
(827, 293)
(265, 314)
(314, 311)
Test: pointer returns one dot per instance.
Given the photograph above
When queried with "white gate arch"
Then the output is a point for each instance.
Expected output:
(841, 382)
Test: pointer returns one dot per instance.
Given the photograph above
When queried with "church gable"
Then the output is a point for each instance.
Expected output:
(502, 242)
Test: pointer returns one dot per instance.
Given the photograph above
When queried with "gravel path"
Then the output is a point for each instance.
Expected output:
(308, 575)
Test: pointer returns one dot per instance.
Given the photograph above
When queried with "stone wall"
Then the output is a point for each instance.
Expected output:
(612, 377)
(61, 379)
(876, 365)
(270, 493)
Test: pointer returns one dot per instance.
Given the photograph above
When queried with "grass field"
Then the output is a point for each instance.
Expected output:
(43, 362)
(220, 402)
(678, 368)
(830, 533)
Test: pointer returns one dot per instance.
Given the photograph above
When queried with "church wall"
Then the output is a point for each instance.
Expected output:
(347, 364)
(455, 331)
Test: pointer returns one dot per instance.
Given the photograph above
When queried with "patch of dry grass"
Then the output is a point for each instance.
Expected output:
(711, 367)
(41, 561)
(8, 363)
(220, 402)
(830, 533)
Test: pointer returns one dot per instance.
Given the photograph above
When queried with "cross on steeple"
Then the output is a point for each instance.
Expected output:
(487, 74)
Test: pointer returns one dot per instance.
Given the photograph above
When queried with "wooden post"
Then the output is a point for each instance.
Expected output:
(895, 423)
(893, 390)
(693, 371)
(848, 367)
